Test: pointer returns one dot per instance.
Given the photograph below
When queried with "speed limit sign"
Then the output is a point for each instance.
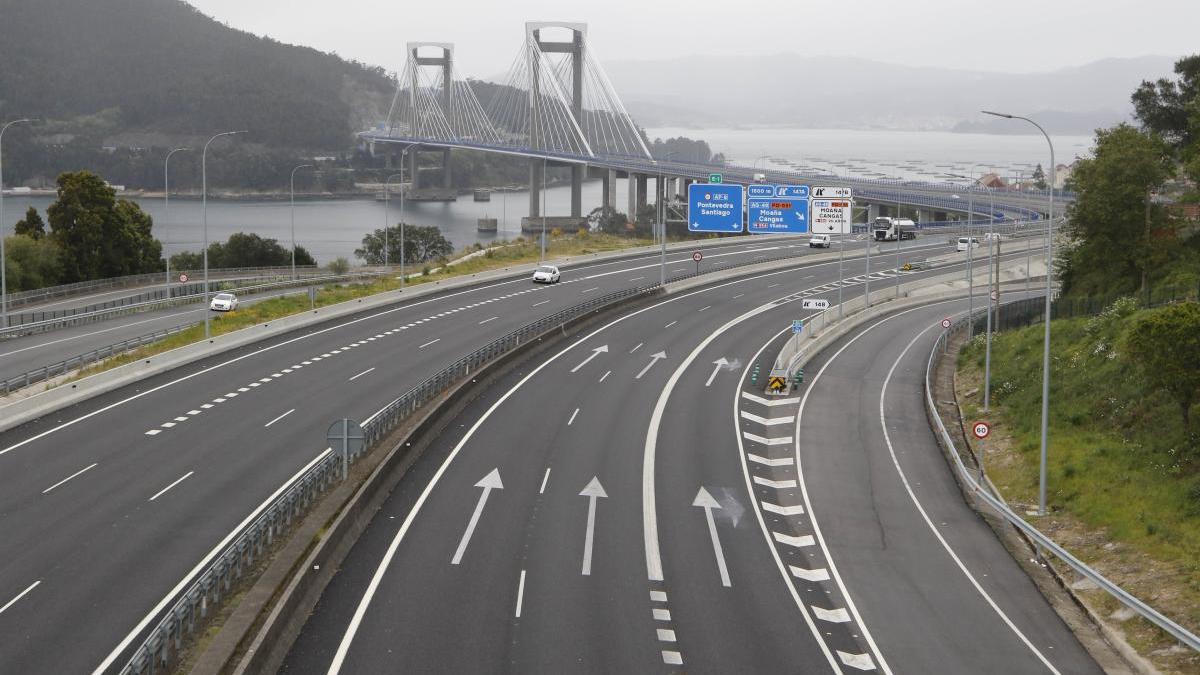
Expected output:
(945, 323)
(981, 430)
(183, 278)
(697, 256)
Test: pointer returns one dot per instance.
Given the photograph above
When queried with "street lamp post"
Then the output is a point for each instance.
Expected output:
(167, 212)
(3, 264)
(386, 182)
(293, 188)
(1046, 321)
(204, 218)
(543, 256)
(662, 223)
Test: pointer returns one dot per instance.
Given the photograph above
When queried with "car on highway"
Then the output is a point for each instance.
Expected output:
(965, 242)
(819, 241)
(223, 302)
(546, 274)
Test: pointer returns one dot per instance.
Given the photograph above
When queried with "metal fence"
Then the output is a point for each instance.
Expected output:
(977, 485)
(21, 298)
(83, 360)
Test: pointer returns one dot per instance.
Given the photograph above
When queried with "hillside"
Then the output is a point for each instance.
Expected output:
(143, 73)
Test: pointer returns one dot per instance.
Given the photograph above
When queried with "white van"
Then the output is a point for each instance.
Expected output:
(819, 241)
(964, 242)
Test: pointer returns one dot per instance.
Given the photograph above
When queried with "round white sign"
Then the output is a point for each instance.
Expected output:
(981, 430)
(697, 256)
(183, 278)
(945, 323)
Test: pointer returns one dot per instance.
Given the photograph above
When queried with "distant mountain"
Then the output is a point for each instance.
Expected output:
(832, 92)
(159, 68)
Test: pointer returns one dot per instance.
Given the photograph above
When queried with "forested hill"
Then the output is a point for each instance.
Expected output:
(161, 66)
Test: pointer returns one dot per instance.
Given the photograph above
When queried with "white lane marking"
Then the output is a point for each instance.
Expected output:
(232, 394)
(776, 484)
(654, 358)
(594, 492)
(20, 595)
(279, 418)
(429, 343)
(738, 296)
(539, 303)
(766, 441)
(772, 285)
(487, 320)
(265, 379)
(639, 346)
(520, 594)
(167, 425)
(154, 432)
(771, 461)
(665, 634)
(769, 401)
(545, 479)
(242, 390)
(177, 482)
(705, 501)
(361, 374)
(207, 406)
(796, 510)
(704, 308)
(137, 630)
(818, 574)
(858, 661)
(81, 471)
(255, 384)
(670, 324)
(836, 615)
(218, 400)
(570, 421)
(768, 421)
(672, 658)
(602, 349)
(98, 332)
(679, 269)
(662, 614)
(637, 278)
(925, 516)
(605, 375)
(589, 290)
(658, 596)
(181, 419)
(193, 412)
(488, 483)
(799, 542)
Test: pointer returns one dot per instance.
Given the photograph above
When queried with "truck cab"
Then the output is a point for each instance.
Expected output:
(893, 229)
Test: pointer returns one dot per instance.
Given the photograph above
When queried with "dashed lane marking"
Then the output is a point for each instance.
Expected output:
(797, 510)
(770, 461)
(799, 542)
(777, 484)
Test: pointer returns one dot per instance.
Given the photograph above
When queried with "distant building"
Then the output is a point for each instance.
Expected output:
(991, 180)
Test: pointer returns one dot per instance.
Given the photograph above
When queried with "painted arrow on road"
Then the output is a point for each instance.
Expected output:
(488, 483)
(719, 363)
(593, 491)
(706, 501)
(654, 358)
(595, 352)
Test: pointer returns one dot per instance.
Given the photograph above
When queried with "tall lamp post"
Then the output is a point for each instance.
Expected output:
(3, 264)
(167, 212)
(1046, 321)
(292, 182)
(386, 183)
(542, 260)
(662, 222)
(204, 218)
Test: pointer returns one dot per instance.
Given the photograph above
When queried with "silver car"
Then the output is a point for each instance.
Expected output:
(223, 302)
(546, 274)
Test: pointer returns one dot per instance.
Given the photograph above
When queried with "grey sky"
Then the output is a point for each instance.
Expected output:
(1011, 35)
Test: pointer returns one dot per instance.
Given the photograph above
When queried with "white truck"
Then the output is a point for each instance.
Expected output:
(891, 229)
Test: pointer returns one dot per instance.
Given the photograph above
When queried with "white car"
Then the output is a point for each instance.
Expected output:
(819, 241)
(223, 302)
(546, 274)
(965, 242)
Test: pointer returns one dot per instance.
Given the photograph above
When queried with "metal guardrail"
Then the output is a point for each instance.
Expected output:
(155, 651)
(21, 298)
(83, 360)
(1001, 507)
(105, 314)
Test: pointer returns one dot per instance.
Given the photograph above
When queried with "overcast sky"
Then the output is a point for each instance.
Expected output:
(1004, 35)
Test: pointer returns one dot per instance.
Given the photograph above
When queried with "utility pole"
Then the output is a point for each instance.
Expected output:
(204, 217)
(167, 213)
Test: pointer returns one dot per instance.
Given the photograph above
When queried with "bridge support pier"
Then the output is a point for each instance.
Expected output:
(609, 197)
(446, 168)
(633, 196)
(641, 195)
(536, 176)
(577, 172)
(872, 212)
(925, 215)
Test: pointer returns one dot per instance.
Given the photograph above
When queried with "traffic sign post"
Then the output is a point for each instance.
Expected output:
(981, 430)
(777, 209)
(797, 326)
(716, 178)
(183, 278)
(715, 208)
(831, 216)
(946, 322)
(814, 303)
(696, 258)
(346, 435)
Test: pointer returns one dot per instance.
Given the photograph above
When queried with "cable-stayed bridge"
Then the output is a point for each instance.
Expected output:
(557, 107)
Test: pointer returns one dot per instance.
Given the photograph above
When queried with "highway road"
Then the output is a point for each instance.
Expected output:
(107, 506)
(631, 503)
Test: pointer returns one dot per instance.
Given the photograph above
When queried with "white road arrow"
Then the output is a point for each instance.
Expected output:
(595, 352)
(593, 491)
(654, 358)
(719, 363)
(488, 483)
(706, 501)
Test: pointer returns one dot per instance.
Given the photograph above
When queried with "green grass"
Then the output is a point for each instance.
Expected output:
(1119, 459)
(508, 254)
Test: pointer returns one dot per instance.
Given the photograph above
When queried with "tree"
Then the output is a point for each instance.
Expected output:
(31, 225)
(1170, 108)
(100, 236)
(1113, 217)
(1039, 178)
(421, 243)
(607, 219)
(339, 266)
(1165, 343)
(32, 263)
(243, 250)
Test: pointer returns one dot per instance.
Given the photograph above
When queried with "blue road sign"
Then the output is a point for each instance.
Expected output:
(715, 207)
(760, 190)
(784, 212)
(797, 326)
